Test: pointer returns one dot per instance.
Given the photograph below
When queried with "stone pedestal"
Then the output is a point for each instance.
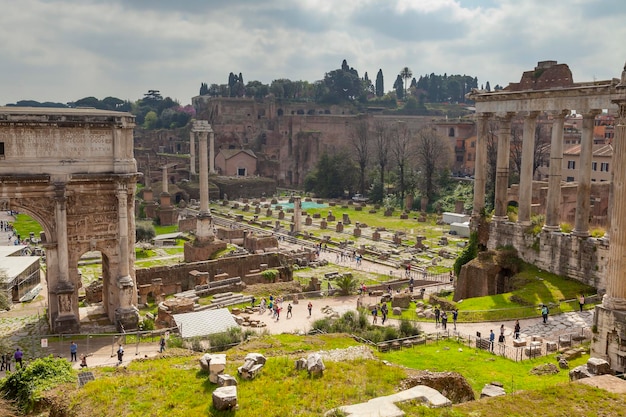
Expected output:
(376, 236)
(201, 251)
(281, 215)
(323, 224)
(339, 227)
(357, 232)
(308, 221)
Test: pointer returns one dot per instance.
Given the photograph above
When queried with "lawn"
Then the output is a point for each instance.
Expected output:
(174, 385)
(24, 225)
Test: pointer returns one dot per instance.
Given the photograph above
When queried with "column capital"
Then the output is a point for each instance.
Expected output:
(505, 116)
(591, 113)
(484, 115)
(201, 126)
(530, 114)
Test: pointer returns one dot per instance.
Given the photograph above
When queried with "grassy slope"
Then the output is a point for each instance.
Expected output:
(176, 387)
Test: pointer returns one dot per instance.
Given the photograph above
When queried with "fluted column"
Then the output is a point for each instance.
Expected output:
(615, 297)
(192, 152)
(502, 165)
(526, 171)
(480, 166)
(553, 205)
(581, 225)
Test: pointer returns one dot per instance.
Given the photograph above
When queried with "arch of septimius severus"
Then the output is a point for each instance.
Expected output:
(599, 262)
(73, 170)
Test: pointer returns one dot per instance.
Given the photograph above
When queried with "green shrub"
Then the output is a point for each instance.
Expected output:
(470, 252)
(226, 340)
(26, 384)
(408, 328)
(270, 275)
(566, 228)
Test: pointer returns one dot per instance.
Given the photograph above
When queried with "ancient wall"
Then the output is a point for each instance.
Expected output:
(237, 266)
(561, 253)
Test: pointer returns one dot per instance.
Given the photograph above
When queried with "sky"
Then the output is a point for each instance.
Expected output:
(64, 50)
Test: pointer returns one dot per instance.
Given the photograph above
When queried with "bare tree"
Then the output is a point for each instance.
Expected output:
(360, 140)
(433, 155)
(381, 145)
(402, 152)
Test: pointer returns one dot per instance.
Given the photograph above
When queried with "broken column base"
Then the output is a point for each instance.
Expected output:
(608, 326)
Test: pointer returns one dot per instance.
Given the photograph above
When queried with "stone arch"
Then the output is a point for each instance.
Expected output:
(77, 177)
(280, 112)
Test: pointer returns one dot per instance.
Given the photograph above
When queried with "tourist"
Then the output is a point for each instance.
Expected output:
(277, 312)
(252, 301)
(444, 320)
(270, 306)
(411, 283)
(492, 338)
(437, 313)
(501, 337)
(384, 311)
(162, 344)
(408, 270)
(120, 354)
(310, 308)
(73, 351)
(289, 308)
(374, 314)
(7, 361)
(18, 357)
(83, 361)
(544, 313)
(581, 302)
(516, 329)
(2, 362)
(455, 316)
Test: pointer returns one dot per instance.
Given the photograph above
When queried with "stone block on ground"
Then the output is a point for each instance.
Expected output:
(300, 364)
(225, 398)
(315, 364)
(519, 342)
(225, 380)
(579, 372)
(397, 311)
(597, 366)
(551, 347)
(491, 390)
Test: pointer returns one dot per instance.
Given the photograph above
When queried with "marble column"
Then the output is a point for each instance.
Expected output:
(480, 165)
(581, 225)
(64, 288)
(297, 214)
(204, 223)
(526, 171)
(126, 316)
(211, 151)
(192, 152)
(164, 180)
(615, 298)
(553, 205)
(502, 165)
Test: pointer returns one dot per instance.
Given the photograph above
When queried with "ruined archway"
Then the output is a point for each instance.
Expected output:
(73, 171)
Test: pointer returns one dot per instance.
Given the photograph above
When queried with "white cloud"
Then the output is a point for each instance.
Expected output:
(63, 50)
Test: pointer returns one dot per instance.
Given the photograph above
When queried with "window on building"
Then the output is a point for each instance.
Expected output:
(241, 172)
(472, 144)
(571, 164)
(569, 179)
(459, 158)
(594, 166)
(451, 132)
(604, 167)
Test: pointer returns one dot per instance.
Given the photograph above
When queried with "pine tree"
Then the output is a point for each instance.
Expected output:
(380, 87)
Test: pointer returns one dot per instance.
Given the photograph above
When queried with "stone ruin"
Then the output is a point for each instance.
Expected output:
(253, 363)
(314, 364)
(593, 367)
(214, 364)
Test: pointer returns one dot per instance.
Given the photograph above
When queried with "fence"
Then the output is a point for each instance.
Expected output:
(530, 350)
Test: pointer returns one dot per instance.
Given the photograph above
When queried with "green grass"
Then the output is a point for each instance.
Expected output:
(478, 366)
(163, 230)
(175, 386)
(24, 225)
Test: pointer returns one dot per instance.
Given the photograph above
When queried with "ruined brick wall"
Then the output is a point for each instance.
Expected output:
(174, 276)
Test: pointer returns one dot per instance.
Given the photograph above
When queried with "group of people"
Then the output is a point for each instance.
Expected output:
(384, 312)
(6, 358)
(441, 318)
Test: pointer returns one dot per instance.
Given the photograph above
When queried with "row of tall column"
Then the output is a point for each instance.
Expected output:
(553, 204)
(202, 132)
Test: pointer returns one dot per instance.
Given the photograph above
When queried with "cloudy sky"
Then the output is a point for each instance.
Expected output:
(63, 50)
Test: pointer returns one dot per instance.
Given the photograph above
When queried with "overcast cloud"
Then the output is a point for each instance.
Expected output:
(63, 50)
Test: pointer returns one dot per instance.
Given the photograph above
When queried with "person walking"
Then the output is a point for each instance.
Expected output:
(120, 354)
(581, 302)
(516, 330)
(375, 315)
(455, 316)
(444, 320)
(162, 344)
(310, 308)
(73, 351)
(492, 339)
(544, 313)
(501, 337)
(7, 361)
(437, 313)
(18, 357)
(289, 308)
(384, 311)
